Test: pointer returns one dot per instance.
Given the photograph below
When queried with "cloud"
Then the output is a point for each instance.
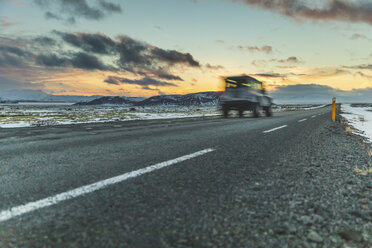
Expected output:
(312, 93)
(342, 10)
(173, 57)
(214, 67)
(62, 52)
(79, 60)
(88, 62)
(141, 82)
(132, 55)
(6, 22)
(96, 51)
(13, 56)
(290, 60)
(95, 43)
(110, 7)
(359, 37)
(69, 10)
(51, 60)
(163, 75)
(360, 67)
(45, 41)
(270, 75)
(264, 49)
(259, 63)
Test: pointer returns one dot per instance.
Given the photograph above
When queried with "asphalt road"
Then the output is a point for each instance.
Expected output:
(179, 204)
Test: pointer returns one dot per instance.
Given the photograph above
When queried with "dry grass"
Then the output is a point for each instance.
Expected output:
(363, 171)
(349, 130)
(369, 152)
(361, 118)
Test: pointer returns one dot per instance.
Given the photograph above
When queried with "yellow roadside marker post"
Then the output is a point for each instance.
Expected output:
(333, 108)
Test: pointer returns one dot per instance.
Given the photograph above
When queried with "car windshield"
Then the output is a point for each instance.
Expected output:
(236, 83)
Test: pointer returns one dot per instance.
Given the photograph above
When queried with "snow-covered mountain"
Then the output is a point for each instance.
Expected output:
(202, 98)
(41, 96)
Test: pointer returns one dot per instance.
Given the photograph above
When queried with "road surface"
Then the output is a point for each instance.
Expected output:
(158, 183)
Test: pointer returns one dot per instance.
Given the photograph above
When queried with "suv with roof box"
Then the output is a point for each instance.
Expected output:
(245, 93)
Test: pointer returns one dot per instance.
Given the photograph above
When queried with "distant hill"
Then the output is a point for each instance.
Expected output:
(113, 100)
(202, 98)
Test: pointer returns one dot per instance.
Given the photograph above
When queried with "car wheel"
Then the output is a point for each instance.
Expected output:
(241, 113)
(225, 111)
(268, 111)
(256, 111)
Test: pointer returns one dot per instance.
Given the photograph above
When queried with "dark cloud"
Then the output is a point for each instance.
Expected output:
(134, 55)
(50, 15)
(69, 20)
(141, 82)
(87, 61)
(292, 60)
(360, 67)
(68, 10)
(350, 11)
(270, 75)
(173, 57)
(89, 51)
(79, 60)
(51, 60)
(264, 49)
(45, 41)
(164, 75)
(96, 43)
(110, 7)
(144, 59)
(214, 67)
(13, 56)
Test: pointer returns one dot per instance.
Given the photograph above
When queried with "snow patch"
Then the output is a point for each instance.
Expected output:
(360, 118)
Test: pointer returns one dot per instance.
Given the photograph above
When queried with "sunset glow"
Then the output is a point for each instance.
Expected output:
(145, 47)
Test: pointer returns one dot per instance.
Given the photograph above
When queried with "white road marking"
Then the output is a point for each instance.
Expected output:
(49, 201)
(313, 116)
(302, 120)
(274, 129)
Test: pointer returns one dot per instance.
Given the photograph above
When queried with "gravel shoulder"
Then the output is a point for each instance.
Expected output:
(321, 198)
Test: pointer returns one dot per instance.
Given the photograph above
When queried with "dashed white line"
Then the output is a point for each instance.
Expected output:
(302, 120)
(53, 200)
(274, 129)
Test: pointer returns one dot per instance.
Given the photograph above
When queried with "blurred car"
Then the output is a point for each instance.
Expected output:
(245, 93)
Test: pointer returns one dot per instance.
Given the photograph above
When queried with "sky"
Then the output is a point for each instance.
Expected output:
(146, 47)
